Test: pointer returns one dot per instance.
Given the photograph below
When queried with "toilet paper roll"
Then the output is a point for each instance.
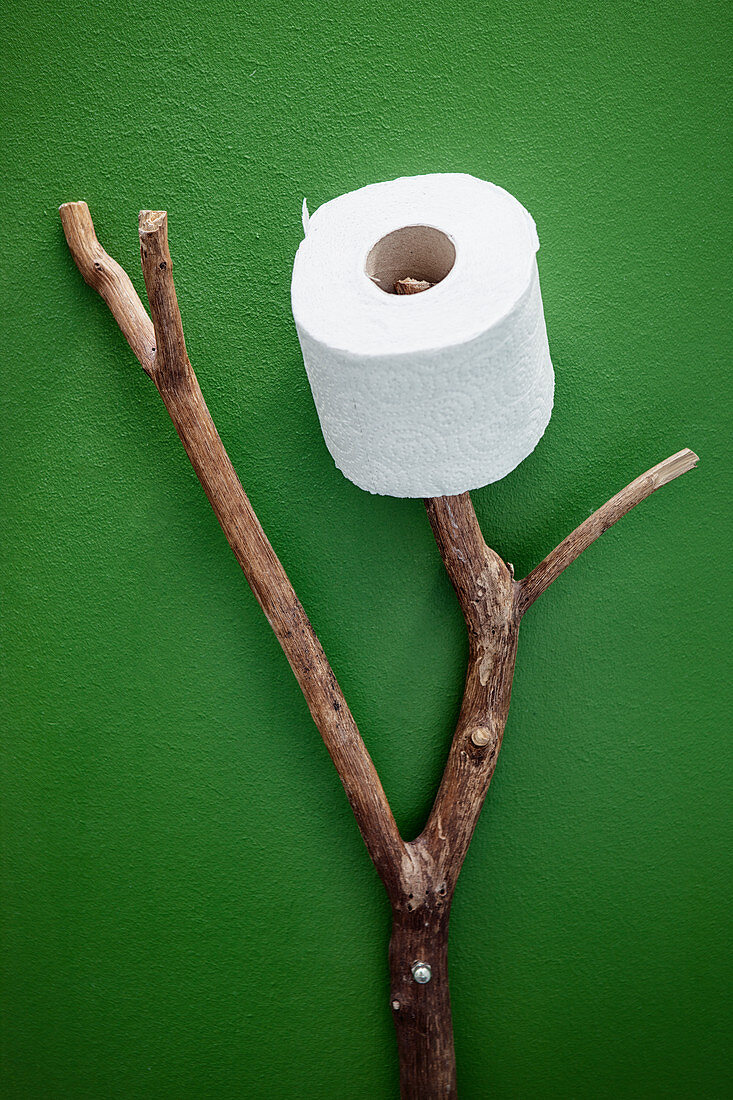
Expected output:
(434, 392)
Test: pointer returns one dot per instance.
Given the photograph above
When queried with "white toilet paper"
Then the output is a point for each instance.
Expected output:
(432, 393)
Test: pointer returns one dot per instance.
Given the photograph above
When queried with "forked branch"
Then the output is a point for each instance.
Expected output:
(493, 604)
(161, 350)
(420, 876)
(105, 275)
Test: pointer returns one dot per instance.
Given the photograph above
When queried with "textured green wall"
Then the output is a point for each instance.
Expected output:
(188, 910)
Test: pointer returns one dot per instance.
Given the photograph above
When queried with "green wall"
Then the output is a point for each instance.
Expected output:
(188, 909)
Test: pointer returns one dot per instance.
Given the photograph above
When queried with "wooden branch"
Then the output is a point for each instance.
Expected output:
(492, 603)
(486, 592)
(105, 275)
(163, 356)
(420, 876)
(542, 576)
(171, 359)
(411, 286)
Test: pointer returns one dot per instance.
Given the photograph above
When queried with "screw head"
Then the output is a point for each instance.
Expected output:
(422, 973)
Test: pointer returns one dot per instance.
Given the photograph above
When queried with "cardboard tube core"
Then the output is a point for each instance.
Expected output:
(417, 252)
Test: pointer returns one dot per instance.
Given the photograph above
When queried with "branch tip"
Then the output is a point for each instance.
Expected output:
(676, 465)
(151, 221)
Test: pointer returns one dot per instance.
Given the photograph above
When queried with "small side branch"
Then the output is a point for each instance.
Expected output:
(105, 275)
(536, 582)
(161, 349)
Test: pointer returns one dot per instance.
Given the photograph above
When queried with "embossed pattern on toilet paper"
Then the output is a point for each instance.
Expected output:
(416, 420)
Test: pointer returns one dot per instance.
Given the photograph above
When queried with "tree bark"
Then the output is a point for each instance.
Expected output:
(421, 1012)
(420, 876)
(486, 592)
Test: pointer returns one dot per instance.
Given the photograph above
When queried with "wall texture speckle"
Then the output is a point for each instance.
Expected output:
(184, 890)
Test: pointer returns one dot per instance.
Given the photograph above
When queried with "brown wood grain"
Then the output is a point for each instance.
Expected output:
(176, 383)
(420, 876)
